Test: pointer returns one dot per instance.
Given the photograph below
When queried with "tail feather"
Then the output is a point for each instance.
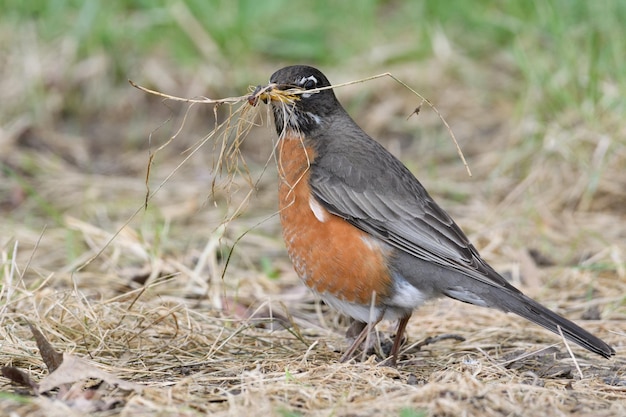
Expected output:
(531, 310)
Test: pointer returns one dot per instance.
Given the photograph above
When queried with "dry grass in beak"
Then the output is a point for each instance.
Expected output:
(227, 136)
(271, 93)
(240, 120)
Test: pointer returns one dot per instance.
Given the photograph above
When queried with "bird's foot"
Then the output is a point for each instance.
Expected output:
(368, 342)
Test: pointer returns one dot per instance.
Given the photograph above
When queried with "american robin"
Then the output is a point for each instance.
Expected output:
(361, 230)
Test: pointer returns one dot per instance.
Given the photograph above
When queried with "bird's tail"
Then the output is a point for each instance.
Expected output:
(531, 310)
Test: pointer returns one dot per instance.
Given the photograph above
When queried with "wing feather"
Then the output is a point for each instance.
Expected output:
(375, 192)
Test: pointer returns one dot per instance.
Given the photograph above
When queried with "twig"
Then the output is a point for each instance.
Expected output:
(202, 100)
(571, 354)
(434, 339)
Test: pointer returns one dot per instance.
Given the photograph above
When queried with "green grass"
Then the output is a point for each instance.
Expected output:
(569, 50)
(409, 412)
(16, 398)
(283, 412)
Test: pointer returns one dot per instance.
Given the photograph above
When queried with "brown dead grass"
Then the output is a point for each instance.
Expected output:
(152, 306)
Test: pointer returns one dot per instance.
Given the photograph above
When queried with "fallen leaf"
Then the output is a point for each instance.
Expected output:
(50, 357)
(18, 376)
(75, 369)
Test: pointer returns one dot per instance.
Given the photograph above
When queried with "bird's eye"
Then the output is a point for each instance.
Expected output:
(308, 82)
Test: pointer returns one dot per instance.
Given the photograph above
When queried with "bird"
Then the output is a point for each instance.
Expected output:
(361, 230)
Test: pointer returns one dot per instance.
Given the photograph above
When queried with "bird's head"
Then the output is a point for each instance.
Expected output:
(298, 98)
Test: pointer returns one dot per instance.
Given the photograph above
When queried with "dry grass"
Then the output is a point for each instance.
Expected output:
(153, 308)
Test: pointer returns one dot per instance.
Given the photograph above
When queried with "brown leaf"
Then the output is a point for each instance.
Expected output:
(75, 369)
(50, 357)
(18, 376)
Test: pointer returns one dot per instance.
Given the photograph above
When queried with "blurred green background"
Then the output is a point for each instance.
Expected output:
(560, 52)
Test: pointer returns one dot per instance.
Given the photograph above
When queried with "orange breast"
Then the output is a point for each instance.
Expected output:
(328, 253)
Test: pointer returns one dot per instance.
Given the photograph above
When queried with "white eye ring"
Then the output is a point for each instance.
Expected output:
(307, 83)
(304, 82)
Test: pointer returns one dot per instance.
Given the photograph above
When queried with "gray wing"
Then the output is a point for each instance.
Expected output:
(375, 192)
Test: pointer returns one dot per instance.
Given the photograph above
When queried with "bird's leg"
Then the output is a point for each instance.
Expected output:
(393, 357)
(354, 327)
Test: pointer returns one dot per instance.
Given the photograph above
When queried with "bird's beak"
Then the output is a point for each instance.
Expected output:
(261, 92)
(272, 92)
